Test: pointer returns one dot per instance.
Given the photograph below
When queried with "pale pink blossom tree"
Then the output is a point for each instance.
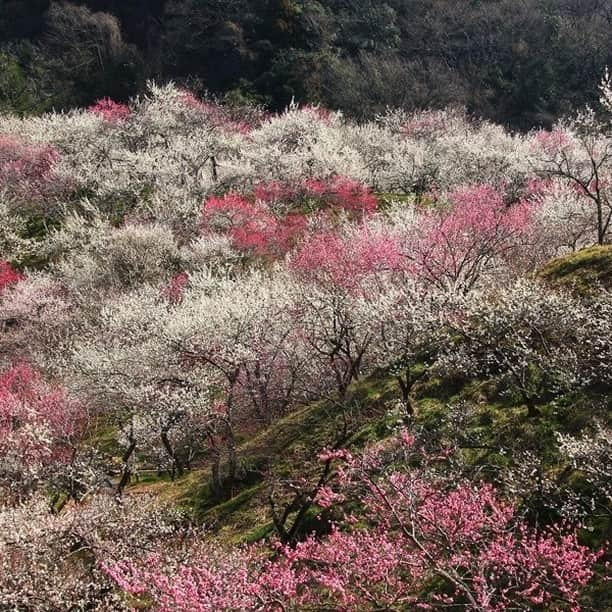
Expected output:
(39, 427)
(459, 242)
(580, 152)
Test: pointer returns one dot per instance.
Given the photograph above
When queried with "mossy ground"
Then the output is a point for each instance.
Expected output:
(289, 448)
(584, 271)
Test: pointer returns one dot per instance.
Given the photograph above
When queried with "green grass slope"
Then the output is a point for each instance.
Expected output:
(472, 414)
(583, 271)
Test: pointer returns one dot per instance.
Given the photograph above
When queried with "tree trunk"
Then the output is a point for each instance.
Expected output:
(232, 460)
(601, 234)
(215, 472)
(127, 471)
(215, 173)
(177, 466)
(532, 410)
(405, 384)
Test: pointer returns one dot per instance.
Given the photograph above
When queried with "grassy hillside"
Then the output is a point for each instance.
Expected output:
(583, 271)
(287, 449)
(487, 426)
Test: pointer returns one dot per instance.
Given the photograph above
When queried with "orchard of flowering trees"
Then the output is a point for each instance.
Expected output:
(207, 301)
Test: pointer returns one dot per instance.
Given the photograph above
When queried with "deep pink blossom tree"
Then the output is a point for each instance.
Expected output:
(251, 228)
(175, 289)
(8, 276)
(272, 219)
(111, 111)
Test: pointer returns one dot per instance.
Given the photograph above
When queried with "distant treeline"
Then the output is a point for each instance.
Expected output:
(519, 62)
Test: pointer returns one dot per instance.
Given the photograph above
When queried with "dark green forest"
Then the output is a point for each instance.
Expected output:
(518, 62)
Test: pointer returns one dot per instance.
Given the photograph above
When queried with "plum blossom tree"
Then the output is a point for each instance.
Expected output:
(191, 149)
(89, 253)
(8, 276)
(444, 149)
(125, 361)
(39, 426)
(250, 227)
(271, 220)
(589, 454)
(242, 333)
(32, 188)
(348, 257)
(299, 144)
(331, 321)
(15, 244)
(579, 151)
(110, 110)
(341, 193)
(595, 345)
(525, 334)
(53, 561)
(37, 320)
(394, 163)
(409, 324)
(460, 243)
(563, 218)
(428, 544)
(225, 582)
(340, 278)
(26, 170)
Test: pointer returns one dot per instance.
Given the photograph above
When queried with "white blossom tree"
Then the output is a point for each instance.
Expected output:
(526, 334)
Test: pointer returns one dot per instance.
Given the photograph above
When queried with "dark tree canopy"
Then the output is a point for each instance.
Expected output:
(520, 62)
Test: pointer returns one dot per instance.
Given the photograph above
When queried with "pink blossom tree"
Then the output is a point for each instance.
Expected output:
(349, 258)
(342, 193)
(251, 228)
(458, 243)
(222, 117)
(109, 110)
(335, 194)
(8, 276)
(427, 543)
(39, 426)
